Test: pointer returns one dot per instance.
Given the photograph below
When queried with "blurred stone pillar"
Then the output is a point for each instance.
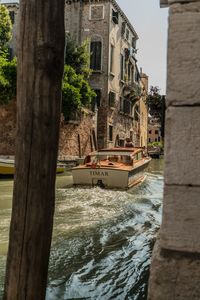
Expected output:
(175, 268)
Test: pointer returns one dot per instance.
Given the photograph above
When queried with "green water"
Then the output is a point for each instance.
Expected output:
(102, 239)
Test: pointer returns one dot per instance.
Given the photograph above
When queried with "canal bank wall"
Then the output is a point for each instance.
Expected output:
(175, 264)
(77, 137)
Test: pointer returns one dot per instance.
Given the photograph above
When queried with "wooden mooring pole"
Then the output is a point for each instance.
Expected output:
(40, 59)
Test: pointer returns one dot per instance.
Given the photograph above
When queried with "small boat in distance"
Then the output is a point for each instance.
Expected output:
(119, 168)
(7, 167)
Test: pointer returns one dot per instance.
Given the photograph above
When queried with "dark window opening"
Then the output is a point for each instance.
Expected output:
(111, 58)
(110, 133)
(127, 106)
(121, 143)
(12, 16)
(127, 34)
(134, 43)
(97, 100)
(121, 104)
(122, 67)
(115, 17)
(149, 131)
(123, 28)
(156, 131)
(112, 99)
(95, 55)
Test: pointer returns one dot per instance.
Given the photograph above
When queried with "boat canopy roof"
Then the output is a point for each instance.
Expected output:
(116, 151)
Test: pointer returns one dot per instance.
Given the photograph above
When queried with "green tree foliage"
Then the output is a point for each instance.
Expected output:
(76, 92)
(76, 89)
(7, 80)
(5, 29)
(155, 103)
(7, 68)
(77, 56)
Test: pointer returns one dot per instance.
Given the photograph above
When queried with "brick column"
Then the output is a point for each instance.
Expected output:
(175, 269)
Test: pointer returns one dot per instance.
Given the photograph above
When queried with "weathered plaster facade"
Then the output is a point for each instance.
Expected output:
(93, 21)
(117, 118)
(154, 131)
(175, 265)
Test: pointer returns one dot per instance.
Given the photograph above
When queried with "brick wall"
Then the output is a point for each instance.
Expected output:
(68, 144)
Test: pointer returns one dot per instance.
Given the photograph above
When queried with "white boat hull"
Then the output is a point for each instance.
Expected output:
(108, 178)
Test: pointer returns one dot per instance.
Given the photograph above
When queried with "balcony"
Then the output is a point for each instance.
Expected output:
(132, 91)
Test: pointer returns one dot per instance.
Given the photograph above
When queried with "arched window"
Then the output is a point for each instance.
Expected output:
(96, 53)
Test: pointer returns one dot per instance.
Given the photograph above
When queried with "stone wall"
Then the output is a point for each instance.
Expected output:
(70, 134)
(176, 259)
(77, 139)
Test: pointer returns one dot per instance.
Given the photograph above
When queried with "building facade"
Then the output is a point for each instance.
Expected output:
(154, 131)
(119, 107)
(115, 76)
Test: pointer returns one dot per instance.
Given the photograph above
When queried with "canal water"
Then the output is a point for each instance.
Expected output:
(102, 239)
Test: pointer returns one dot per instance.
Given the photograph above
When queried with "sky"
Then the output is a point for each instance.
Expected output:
(151, 24)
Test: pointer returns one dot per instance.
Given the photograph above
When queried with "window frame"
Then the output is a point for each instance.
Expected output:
(94, 66)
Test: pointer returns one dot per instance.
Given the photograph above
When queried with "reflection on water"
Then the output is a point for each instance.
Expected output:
(102, 239)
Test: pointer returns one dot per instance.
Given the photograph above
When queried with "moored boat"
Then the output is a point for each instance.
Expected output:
(7, 167)
(112, 168)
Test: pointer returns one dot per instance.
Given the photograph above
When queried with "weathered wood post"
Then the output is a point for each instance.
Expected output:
(40, 68)
(175, 266)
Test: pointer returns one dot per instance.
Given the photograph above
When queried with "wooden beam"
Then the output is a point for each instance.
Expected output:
(39, 78)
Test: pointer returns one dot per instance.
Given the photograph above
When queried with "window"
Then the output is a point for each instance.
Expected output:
(149, 131)
(122, 66)
(110, 133)
(12, 16)
(149, 140)
(127, 106)
(112, 98)
(133, 43)
(97, 100)
(127, 34)
(136, 113)
(131, 135)
(111, 58)
(121, 143)
(115, 16)
(96, 12)
(137, 76)
(156, 131)
(121, 104)
(156, 139)
(123, 29)
(95, 55)
(129, 72)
